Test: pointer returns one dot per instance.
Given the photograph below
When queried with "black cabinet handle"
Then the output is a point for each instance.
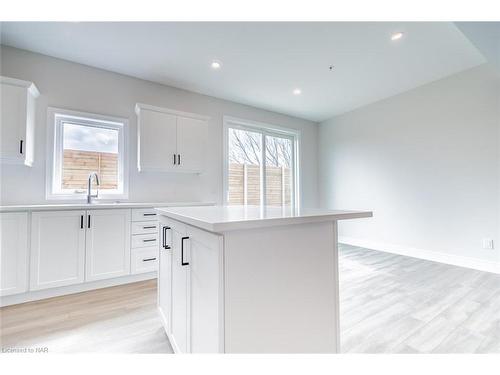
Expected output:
(21, 146)
(182, 252)
(81, 221)
(163, 237)
(148, 259)
(164, 241)
(149, 240)
(149, 227)
(148, 214)
(88, 221)
(174, 159)
(179, 159)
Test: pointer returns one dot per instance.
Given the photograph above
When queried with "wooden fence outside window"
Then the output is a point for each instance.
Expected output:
(77, 165)
(244, 185)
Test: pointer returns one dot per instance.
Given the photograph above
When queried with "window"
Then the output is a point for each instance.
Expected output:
(82, 143)
(260, 164)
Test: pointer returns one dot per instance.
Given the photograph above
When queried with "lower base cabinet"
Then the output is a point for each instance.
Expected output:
(57, 248)
(144, 260)
(53, 249)
(189, 295)
(269, 289)
(13, 253)
(165, 280)
(107, 244)
(181, 276)
(71, 247)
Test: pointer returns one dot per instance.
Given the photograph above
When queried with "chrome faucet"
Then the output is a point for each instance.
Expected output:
(89, 187)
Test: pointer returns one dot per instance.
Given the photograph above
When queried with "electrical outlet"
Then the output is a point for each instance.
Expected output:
(487, 243)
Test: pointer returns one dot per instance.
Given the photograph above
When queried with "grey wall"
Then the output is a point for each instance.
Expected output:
(425, 161)
(78, 87)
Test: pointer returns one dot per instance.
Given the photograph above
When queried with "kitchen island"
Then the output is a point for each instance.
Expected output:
(249, 279)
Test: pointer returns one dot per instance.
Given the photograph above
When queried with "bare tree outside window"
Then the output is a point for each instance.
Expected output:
(245, 164)
(278, 152)
(245, 147)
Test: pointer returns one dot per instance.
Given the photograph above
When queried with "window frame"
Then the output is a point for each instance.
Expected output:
(265, 129)
(56, 117)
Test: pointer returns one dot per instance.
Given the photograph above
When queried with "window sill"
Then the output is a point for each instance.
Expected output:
(83, 198)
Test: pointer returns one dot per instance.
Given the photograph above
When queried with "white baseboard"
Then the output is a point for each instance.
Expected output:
(435, 256)
(71, 289)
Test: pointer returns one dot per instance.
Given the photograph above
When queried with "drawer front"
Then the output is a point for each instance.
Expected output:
(145, 240)
(144, 214)
(144, 227)
(144, 260)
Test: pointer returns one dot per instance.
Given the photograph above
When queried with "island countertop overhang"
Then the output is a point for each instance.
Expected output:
(228, 218)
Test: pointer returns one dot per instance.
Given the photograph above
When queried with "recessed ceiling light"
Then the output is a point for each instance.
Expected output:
(297, 91)
(216, 65)
(397, 36)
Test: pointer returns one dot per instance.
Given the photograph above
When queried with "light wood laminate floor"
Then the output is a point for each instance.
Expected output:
(396, 304)
(120, 319)
(389, 304)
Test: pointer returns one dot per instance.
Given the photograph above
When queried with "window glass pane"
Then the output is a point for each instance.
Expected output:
(279, 167)
(244, 167)
(88, 149)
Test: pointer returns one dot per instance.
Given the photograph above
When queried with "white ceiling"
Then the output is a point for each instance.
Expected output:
(486, 37)
(263, 62)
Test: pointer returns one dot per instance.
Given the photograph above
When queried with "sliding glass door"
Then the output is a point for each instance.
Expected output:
(260, 166)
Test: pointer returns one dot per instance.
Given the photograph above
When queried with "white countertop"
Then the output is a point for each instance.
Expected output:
(226, 218)
(96, 206)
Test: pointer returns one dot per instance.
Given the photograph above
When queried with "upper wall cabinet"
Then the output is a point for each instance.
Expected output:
(17, 126)
(169, 140)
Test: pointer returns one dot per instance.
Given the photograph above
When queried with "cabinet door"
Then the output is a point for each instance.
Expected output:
(206, 335)
(107, 244)
(57, 248)
(180, 289)
(13, 122)
(157, 136)
(191, 139)
(165, 275)
(13, 253)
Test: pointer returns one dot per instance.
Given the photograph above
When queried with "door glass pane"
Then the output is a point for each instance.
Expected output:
(279, 167)
(88, 149)
(244, 167)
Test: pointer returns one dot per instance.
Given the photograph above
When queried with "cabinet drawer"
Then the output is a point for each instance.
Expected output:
(144, 260)
(144, 227)
(144, 214)
(145, 240)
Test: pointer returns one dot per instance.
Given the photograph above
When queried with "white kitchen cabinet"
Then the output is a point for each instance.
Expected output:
(144, 227)
(169, 140)
(191, 139)
(157, 141)
(144, 214)
(258, 279)
(13, 253)
(165, 276)
(57, 248)
(144, 241)
(144, 260)
(17, 124)
(180, 289)
(107, 244)
(205, 291)
(190, 287)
